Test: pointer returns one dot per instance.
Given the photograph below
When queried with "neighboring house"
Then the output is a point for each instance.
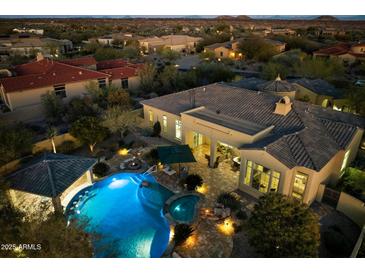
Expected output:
(343, 51)
(22, 93)
(285, 146)
(122, 73)
(283, 31)
(87, 62)
(225, 50)
(49, 178)
(27, 30)
(109, 39)
(319, 92)
(331, 32)
(278, 45)
(28, 45)
(188, 62)
(179, 43)
(314, 91)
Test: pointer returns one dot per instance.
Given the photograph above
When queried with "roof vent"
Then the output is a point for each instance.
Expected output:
(283, 107)
(54, 74)
(218, 111)
(80, 72)
(204, 89)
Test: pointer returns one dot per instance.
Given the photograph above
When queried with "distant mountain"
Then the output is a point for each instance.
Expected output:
(225, 17)
(243, 17)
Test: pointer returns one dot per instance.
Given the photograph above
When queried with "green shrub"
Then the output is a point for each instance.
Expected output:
(101, 169)
(241, 215)
(229, 200)
(237, 228)
(193, 181)
(181, 233)
(156, 129)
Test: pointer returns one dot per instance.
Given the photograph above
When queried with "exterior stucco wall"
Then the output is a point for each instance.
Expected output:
(358, 49)
(303, 92)
(30, 203)
(33, 96)
(133, 82)
(352, 207)
(72, 190)
(263, 158)
(157, 116)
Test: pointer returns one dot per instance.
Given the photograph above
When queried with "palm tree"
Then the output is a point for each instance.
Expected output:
(51, 133)
(181, 233)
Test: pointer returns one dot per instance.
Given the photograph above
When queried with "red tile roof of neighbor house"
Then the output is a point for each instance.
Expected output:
(109, 64)
(121, 72)
(46, 73)
(338, 49)
(81, 61)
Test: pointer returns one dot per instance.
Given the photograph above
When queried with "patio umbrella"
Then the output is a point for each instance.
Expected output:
(175, 154)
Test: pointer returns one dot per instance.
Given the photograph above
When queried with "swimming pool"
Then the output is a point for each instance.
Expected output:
(128, 217)
(183, 209)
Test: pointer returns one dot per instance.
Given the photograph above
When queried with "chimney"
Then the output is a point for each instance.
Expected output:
(40, 56)
(283, 107)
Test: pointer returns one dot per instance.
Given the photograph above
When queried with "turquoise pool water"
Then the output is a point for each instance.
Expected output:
(128, 218)
(183, 209)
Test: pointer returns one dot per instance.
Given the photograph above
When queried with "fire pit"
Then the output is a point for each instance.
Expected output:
(133, 164)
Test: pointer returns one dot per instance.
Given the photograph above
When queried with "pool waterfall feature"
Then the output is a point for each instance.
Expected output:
(130, 216)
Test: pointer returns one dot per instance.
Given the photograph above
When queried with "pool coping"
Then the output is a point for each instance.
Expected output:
(166, 211)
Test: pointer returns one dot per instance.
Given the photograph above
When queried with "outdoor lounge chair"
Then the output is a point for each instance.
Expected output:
(169, 171)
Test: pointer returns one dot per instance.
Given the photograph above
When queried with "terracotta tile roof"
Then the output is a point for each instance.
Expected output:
(338, 49)
(122, 72)
(109, 64)
(81, 61)
(46, 73)
(119, 68)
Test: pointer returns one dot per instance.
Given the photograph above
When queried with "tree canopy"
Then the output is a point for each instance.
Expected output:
(118, 119)
(53, 107)
(148, 74)
(15, 141)
(283, 227)
(257, 49)
(89, 131)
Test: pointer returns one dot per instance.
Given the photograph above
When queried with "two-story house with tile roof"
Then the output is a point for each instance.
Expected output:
(285, 145)
(23, 93)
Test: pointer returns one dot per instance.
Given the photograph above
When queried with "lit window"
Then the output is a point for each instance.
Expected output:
(345, 160)
(150, 117)
(164, 123)
(178, 129)
(275, 181)
(124, 83)
(300, 182)
(261, 178)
